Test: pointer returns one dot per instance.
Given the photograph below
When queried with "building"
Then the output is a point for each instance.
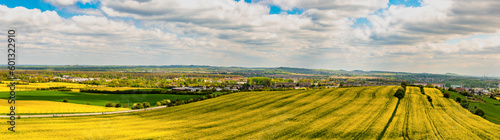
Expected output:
(284, 85)
(438, 85)
(304, 84)
(186, 89)
(455, 86)
(459, 89)
(421, 84)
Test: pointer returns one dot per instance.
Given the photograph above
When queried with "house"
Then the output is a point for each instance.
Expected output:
(459, 89)
(477, 91)
(284, 85)
(186, 89)
(485, 92)
(241, 82)
(438, 85)
(420, 84)
(334, 86)
(218, 89)
(455, 86)
(304, 84)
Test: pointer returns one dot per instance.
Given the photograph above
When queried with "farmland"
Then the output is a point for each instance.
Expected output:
(93, 98)
(44, 107)
(341, 113)
(73, 86)
(490, 106)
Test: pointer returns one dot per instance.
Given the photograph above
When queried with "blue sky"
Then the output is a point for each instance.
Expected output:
(414, 36)
(274, 9)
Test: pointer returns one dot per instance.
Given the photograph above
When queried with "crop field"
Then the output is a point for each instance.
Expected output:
(75, 87)
(44, 107)
(490, 106)
(340, 113)
(416, 118)
(97, 99)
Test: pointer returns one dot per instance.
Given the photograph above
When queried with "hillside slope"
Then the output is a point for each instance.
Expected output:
(344, 113)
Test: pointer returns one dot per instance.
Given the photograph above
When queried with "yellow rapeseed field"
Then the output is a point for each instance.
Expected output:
(37, 107)
(341, 113)
(75, 86)
(416, 118)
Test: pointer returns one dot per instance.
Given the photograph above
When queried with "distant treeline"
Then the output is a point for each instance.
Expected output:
(203, 92)
(61, 88)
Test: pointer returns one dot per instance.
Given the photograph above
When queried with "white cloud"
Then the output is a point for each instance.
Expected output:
(67, 2)
(435, 21)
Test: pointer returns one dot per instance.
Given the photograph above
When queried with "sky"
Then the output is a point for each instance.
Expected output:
(420, 36)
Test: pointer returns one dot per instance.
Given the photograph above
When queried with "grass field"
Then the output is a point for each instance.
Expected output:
(46, 107)
(94, 98)
(341, 113)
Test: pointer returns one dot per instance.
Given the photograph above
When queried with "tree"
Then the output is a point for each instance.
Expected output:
(118, 105)
(137, 106)
(110, 104)
(165, 102)
(65, 100)
(146, 105)
(446, 95)
(465, 105)
(479, 112)
(492, 96)
(429, 98)
(422, 89)
(459, 99)
(400, 93)
(403, 84)
(158, 103)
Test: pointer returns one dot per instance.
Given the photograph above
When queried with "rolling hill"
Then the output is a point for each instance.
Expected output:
(341, 113)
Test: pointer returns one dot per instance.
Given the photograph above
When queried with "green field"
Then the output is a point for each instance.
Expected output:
(490, 106)
(341, 113)
(94, 98)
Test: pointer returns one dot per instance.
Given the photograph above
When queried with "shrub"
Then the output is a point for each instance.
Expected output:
(110, 104)
(118, 105)
(146, 105)
(210, 96)
(158, 103)
(88, 103)
(125, 106)
(403, 84)
(465, 93)
(400, 93)
(459, 99)
(65, 100)
(422, 89)
(479, 112)
(446, 95)
(492, 96)
(165, 102)
(137, 106)
(464, 105)
(429, 98)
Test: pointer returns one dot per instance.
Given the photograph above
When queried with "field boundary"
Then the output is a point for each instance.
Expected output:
(85, 114)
